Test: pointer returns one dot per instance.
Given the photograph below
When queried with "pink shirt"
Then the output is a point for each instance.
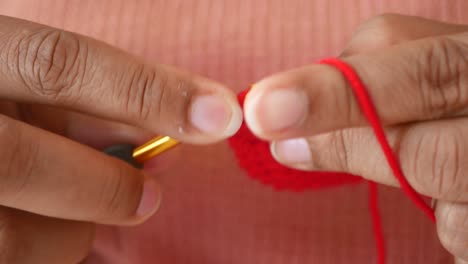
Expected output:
(212, 213)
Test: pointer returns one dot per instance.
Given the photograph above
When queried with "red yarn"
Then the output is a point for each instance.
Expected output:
(370, 112)
(254, 156)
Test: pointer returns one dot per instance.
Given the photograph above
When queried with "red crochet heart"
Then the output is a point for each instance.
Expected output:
(254, 156)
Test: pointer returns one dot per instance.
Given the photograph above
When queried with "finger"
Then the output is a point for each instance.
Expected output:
(431, 155)
(49, 175)
(91, 131)
(420, 80)
(460, 261)
(452, 228)
(392, 29)
(100, 133)
(49, 66)
(95, 132)
(28, 238)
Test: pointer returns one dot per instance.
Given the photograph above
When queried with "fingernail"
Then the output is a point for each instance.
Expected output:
(213, 114)
(277, 110)
(291, 151)
(150, 198)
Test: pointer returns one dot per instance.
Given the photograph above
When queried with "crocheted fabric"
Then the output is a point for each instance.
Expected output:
(255, 158)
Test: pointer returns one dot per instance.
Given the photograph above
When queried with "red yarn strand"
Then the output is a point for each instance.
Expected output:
(376, 223)
(254, 156)
(371, 114)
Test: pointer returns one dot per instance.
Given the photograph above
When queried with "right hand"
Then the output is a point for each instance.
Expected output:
(416, 72)
(54, 188)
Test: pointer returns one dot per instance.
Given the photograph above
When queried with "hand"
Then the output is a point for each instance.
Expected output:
(416, 71)
(52, 188)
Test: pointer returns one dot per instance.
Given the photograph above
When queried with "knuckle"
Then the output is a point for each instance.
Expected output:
(21, 160)
(111, 192)
(139, 89)
(154, 94)
(453, 229)
(379, 31)
(119, 196)
(441, 72)
(332, 151)
(385, 23)
(51, 63)
(340, 150)
(443, 178)
(455, 216)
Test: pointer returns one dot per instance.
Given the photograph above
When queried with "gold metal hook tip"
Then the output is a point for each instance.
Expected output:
(153, 148)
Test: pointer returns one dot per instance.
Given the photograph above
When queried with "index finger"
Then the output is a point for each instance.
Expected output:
(44, 65)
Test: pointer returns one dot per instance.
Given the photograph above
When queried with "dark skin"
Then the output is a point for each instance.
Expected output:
(75, 224)
(417, 76)
(45, 71)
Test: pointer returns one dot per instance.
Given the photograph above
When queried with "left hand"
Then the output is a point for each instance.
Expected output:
(416, 71)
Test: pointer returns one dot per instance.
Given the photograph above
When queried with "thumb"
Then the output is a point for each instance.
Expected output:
(420, 80)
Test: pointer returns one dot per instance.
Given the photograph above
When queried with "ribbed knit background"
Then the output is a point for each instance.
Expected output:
(213, 214)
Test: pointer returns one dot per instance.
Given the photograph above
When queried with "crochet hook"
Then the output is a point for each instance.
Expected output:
(137, 156)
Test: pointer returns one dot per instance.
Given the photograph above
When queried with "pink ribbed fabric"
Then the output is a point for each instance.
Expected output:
(212, 213)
